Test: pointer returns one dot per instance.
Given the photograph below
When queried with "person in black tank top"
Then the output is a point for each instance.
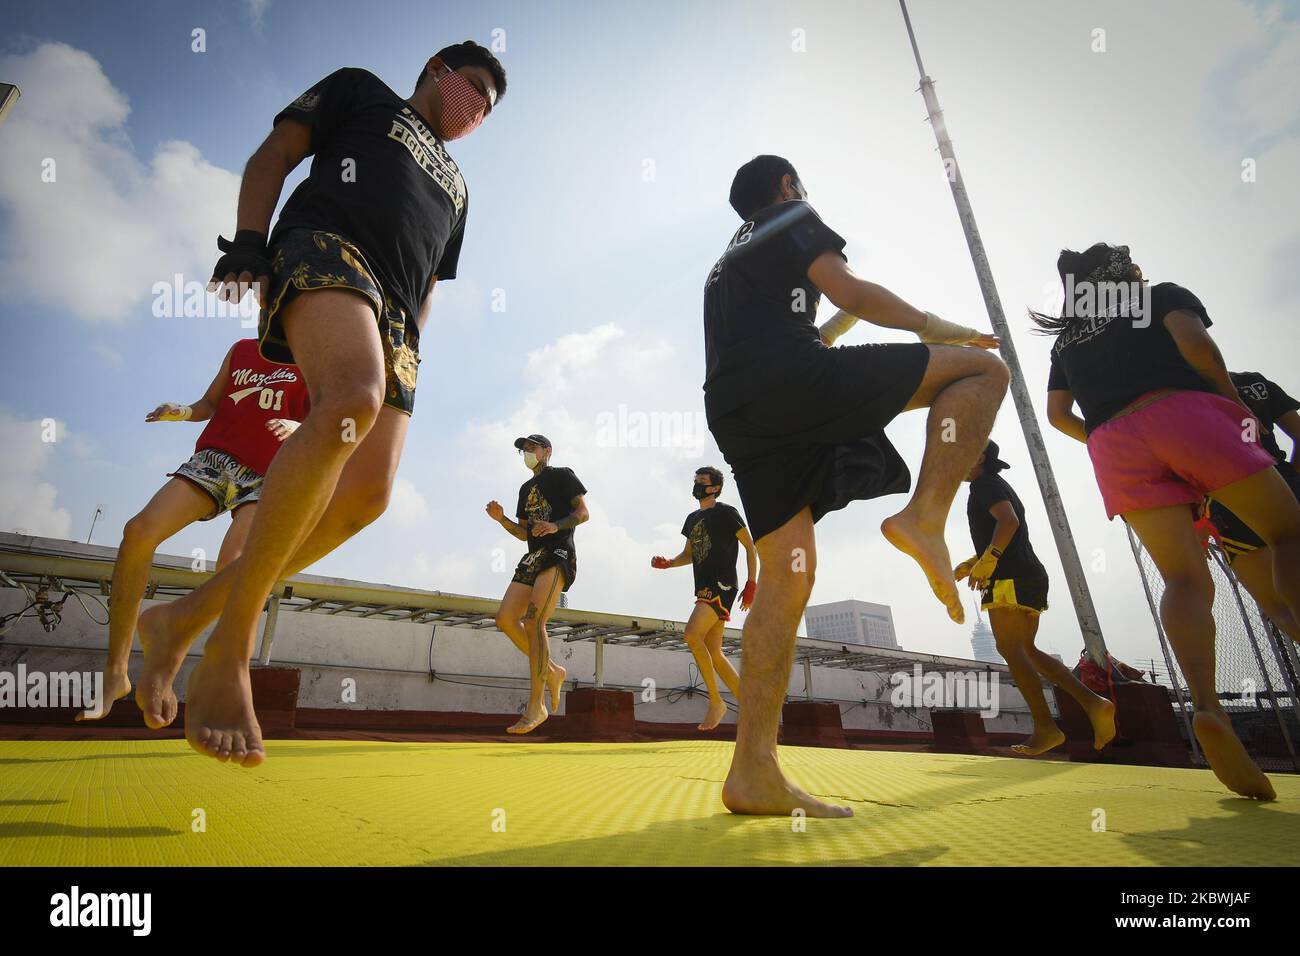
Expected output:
(1014, 586)
(550, 506)
(713, 534)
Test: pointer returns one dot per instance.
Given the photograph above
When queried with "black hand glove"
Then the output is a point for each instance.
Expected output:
(246, 253)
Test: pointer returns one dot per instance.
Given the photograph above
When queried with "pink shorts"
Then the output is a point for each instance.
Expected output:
(1174, 451)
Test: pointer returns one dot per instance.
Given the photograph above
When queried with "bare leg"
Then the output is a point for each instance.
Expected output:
(176, 505)
(1100, 711)
(1268, 506)
(698, 626)
(755, 784)
(361, 496)
(1255, 572)
(721, 666)
(1014, 632)
(336, 343)
(510, 622)
(1185, 610)
(963, 388)
(545, 595)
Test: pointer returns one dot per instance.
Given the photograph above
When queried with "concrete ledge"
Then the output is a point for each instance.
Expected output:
(959, 730)
(599, 714)
(1148, 729)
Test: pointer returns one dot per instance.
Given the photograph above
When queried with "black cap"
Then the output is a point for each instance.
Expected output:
(991, 460)
(535, 439)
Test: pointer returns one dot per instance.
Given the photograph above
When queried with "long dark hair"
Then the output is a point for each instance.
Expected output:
(1073, 268)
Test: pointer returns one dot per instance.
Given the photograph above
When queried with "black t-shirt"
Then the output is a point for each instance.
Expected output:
(1018, 559)
(1269, 403)
(712, 535)
(1110, 360)
(760, 308)
(548, 496)
(381, 179)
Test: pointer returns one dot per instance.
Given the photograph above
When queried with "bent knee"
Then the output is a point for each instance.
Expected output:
(140, 533)
(353, 407)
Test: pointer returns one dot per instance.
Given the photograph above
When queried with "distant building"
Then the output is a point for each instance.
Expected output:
(984, 647)
(851, 622)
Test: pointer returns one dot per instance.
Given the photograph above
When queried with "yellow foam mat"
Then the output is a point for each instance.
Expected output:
(358, 803)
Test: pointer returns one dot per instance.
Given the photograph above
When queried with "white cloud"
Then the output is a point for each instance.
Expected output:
(27, 500)
(95, 240)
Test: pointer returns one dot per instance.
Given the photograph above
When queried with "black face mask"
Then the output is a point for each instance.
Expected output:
(700, 491)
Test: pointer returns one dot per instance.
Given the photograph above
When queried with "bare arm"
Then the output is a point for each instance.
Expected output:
(1060, 412)
(516, 529)
(751, 553)
(206, 406)
(1007, 526)
(1200, 352)
(577, 516)
(868, 301)
(287, 145)
(1290, 424)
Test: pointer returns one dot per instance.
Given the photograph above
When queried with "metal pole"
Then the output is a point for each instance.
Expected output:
(1164, 646)
(8, 97)
(268, 632)
(1074, 579)
(600, 661)
(807, 678)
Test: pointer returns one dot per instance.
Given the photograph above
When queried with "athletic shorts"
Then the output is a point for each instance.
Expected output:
(307, 259)
(227, 482)
(535, 562)
(1173, 451)
(720, 596)
(821, 443)
(1024, 594)
(1234, 535)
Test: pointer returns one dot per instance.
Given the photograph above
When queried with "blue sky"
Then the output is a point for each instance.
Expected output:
(601, 264)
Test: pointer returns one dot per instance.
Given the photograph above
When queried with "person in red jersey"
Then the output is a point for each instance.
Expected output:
(251, 407)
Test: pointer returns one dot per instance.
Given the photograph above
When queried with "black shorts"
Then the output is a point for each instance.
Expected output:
(535, 562)
(1027, 593)
(1235, 536)
(821, 443)
(309, 259)
(720, 596)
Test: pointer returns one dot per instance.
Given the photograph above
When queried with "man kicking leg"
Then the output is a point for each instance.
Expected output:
(354, 260)
(802, 427)
(712, 534)
(251, 407)
(549, 507)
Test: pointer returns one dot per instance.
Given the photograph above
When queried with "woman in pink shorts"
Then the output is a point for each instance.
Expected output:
(1165, 427)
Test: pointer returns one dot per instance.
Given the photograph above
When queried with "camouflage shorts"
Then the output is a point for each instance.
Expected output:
(226, 481)
(309, 259)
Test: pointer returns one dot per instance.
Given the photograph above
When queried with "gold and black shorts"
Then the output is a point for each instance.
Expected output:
(308, 259)
(1020, 594)
(538, 560)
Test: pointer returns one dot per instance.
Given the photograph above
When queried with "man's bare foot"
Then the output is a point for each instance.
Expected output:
(1040, 741)
(555, 684)
(219, 717)
(930, 551)
(759, 788)
(1228, 758)
(164, 653)
(717, 710)
(1102, 714)
(530, 721)
(116, 686)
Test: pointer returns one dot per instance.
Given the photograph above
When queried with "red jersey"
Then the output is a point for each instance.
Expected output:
(256, 392)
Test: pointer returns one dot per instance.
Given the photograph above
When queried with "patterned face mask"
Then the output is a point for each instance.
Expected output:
(463, 107)
(1114, 269)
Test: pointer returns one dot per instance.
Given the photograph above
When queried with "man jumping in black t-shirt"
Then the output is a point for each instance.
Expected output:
(549, 507)
(1014, 585)
(713, 532)
(802, 427)
(1250, 557)
(344, 283)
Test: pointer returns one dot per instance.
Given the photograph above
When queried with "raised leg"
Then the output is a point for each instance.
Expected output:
(541, 603)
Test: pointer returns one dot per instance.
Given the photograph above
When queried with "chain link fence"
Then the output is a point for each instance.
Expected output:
(1256, 666)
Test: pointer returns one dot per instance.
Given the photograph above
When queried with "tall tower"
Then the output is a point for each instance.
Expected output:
(983, 645)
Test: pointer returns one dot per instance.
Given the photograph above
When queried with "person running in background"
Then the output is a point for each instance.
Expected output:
(1165, 426)
(802, 427)
(550, 506)
(1246, 552)
(251, 407)
(713, 532)
(1014, 585)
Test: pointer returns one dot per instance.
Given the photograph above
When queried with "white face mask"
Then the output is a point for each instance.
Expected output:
(530, 460)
